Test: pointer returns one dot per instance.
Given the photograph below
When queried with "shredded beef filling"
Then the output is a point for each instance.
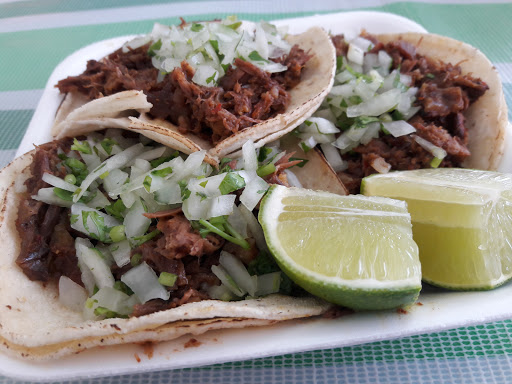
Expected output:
(45, 252)
(444, 94)
(48, 242)
(245, 96)
(48, 247)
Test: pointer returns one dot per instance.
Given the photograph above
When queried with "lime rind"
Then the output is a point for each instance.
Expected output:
(465, 240)
(363, 291)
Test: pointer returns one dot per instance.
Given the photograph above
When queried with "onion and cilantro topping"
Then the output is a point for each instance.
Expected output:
(368, 99)
(121, 187)
(211, 47)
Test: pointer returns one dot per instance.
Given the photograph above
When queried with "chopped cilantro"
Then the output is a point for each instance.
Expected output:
(155, 163)
(363, 121)
(136, 259)
(305, 147)
(255, 56)
(167, 279)
(196, 27)
(211, 78)
(107, 144)
(201, 195)
(99, 223)
(234, 26)
(436, 161)
(430, 76)
(266, 170)
(185, 192)
(116, 209)
(154, 47)
(78, 169)
(355, 99)
(231, 182)
(339, 63)
(120, 286)
(302, 163)
(148, 236)
(162, 172)
(263, 153)
(107, 313)
(81, 146)
(221, 227)
(203, 184)
(223, 165)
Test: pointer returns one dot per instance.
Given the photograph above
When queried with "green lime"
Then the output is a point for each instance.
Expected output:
(354, 251)
(462, 223)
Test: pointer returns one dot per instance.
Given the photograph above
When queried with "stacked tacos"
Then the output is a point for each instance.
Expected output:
(63, 330)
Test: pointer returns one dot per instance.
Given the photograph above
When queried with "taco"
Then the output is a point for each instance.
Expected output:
(207, 85)
(112, 238)
(408, 101)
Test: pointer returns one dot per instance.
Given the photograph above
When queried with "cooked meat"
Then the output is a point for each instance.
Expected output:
(245, 96)
(443, 94)
(36, 221)
(180, 240)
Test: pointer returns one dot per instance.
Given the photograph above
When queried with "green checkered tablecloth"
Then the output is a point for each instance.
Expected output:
(36, 35)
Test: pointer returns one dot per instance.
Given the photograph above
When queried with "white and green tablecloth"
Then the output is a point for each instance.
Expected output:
(35, 35)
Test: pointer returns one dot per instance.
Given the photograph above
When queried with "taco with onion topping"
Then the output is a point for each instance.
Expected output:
(408, 101)
(112, 238)
(205, 85)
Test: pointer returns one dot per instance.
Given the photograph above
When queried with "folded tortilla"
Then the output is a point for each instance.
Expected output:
(487, 118)
(35, 325)
(77, 115)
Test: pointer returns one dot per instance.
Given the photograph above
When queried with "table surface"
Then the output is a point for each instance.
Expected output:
(36, 35)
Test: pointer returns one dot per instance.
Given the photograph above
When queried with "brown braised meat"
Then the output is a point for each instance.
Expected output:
(45, 253)
(48, 247)
(245, 95)
(443, 95)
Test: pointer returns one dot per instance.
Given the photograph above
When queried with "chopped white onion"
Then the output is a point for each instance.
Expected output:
(221, 206)
(91, 259)
(227, 280)
(268, 283)
(249, 156)
(293, 180)
(333, 157)
(355, 54)
(114, 180)
(143, 281)
(46, 195)
(236, 269)
(99, 201)
(253, 192)
(96, 222)
(134, 222)
(254, 228)
(71, 294)
(238, 222)
(58, 182)
(436, 151)
(399, 128)
(114, 162)
(121, 252)
(196, 207)
(380, 104)
(318, 125)
(380, 165)
(221, 292)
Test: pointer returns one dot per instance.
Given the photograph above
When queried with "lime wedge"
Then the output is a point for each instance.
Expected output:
(462, 223)
(354, 251)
